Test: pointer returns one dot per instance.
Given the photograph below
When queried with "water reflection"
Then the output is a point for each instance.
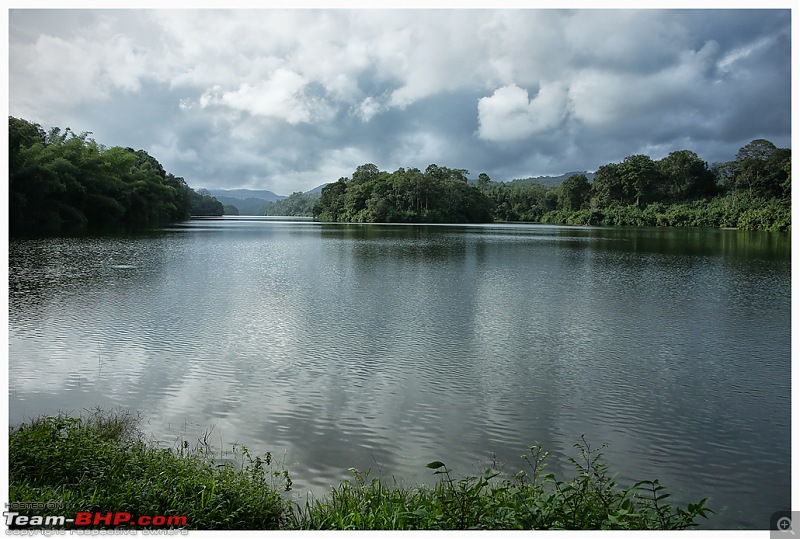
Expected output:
(386, 347)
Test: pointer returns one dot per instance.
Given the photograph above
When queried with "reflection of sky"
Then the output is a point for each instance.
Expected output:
(389, 347)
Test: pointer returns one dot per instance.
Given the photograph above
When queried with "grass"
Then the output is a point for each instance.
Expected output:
(590, 500)
(102, 462)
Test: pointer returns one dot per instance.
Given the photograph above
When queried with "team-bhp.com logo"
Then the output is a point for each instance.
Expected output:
(85, 519)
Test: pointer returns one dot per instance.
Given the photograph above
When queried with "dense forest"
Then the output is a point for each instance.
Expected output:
(753, 191)
(299, 204)
(438, 195)
(60, 181)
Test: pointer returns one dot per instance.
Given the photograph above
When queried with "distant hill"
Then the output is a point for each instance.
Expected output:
(317, 189)
(549, 181)
(247, 201)
(248, 206)
(552, 181)
(254, 201)
(243, 194)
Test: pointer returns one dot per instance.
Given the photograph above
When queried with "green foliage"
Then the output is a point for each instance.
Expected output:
(752, 192)
(296, 204)
(760, 169)
(590, 500)
(438, 195)
(640, 176)
(203, 204)
(230, 209)
(729, 211)
(521, 202)
(61, 181)
(607, 188)
(102, 463)
(685, 176)
(573, 194)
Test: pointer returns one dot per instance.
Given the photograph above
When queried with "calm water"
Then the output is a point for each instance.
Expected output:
(387, 347)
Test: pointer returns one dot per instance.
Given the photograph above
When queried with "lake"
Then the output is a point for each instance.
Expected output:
(386, 347)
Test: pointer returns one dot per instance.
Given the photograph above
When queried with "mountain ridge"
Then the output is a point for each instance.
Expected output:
(263, 196)
(551, 181)
(243, 194)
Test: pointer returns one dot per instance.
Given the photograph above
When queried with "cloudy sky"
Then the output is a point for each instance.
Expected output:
(286, 100)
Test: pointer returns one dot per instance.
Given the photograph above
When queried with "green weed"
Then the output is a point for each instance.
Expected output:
(103, 463)
(590, 500)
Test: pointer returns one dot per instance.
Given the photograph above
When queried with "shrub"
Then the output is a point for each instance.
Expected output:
(589, 500)
(102, 463)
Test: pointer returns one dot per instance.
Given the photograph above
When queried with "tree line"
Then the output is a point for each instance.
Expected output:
(753, 191)
(60, 181)
(298, 204)
(437, 195)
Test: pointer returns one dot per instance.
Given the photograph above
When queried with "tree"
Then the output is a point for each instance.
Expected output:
(331, 201)
(365, 173)
(787, 183)
(640, 178)
(297, 203)
(61, 180)
(750, 164)
(684, 176)
(440, 194)
(573, 193)
(203, 204)
(777, 171)
(22, 134)
(607, 187)
(758, 149)
(759, 170)
(145, 161)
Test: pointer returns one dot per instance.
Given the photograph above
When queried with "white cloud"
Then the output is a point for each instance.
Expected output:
(169, 148)
(64, 67)
(602, 97)
(420, 149)
(123, 64)
(744, 52)
(53, 72)
(282, 96)
(333, 164)
(295, 87)
(510, 115)
(367, 109)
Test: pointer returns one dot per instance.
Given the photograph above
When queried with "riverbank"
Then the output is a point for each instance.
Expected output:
(103, 462)
(728, 212)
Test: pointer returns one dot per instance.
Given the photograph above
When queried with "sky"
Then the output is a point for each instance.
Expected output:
(289, 99)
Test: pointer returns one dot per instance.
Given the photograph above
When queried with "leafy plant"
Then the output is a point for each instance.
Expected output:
(102, 462)
(591, 499)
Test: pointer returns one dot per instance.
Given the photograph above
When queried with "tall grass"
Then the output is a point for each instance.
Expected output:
(103, 463)
(590, 500)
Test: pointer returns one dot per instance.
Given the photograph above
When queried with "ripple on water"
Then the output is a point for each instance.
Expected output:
(389, 347)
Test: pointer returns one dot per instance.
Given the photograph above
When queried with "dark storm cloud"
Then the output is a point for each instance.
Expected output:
(287, 100)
